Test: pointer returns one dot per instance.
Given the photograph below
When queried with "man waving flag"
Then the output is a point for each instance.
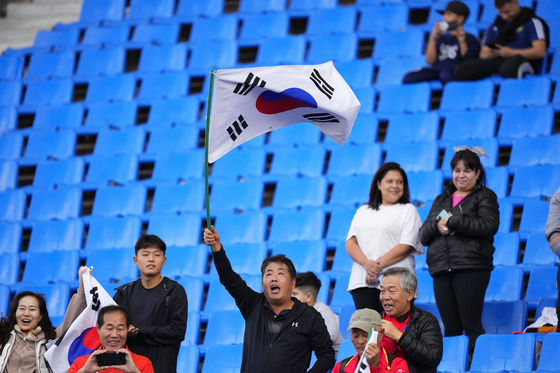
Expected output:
(251, 101)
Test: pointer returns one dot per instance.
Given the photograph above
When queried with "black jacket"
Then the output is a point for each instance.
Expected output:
(474, 221)
(302, 332)
(422, 342)
(160, 342)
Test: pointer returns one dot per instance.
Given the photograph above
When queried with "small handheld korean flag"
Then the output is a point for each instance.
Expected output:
(251, 101)
(81, 338)
(363, 366)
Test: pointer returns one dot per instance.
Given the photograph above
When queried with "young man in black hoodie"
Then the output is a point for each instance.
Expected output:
(513, 46)
(280, 331)
(157, 306)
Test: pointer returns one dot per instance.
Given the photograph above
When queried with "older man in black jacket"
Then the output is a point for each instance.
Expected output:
(410, 332)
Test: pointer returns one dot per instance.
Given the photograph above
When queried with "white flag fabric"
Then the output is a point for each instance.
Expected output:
(81, 338)
(248, 102)
(363, 366)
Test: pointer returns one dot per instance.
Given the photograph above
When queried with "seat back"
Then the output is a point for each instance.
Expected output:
(459, 96)
(57, 204)
(305, 225)
(249, 227)
(120, 200)
(223, 358)
(455, 354)
(506, 284)
(497, 353)
(105, 261)
(56, 235)
(180, 230)
(51, 267)
(542, 284)
(306, 255)
(113, 232)
(176, 199)
(354, 160)
(185, 261)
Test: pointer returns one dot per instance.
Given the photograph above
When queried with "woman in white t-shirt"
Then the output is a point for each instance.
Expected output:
(383, 233)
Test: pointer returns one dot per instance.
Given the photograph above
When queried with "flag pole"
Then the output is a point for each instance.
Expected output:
(206, 136)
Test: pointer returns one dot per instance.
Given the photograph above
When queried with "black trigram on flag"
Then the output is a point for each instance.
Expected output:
(321, 117)
(321, 84)
(251, 82)
(237, 127)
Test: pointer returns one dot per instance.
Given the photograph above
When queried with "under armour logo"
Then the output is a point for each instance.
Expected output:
(295, 324)
(321, 84)
(248, 85)
(237, 127)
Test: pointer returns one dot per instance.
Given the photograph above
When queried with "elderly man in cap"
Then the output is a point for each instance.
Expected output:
(362, 322)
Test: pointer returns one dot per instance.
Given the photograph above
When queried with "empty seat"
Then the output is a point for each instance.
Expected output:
(219, 300)
(392, 70)
(425, 185)
(293, 193)
(504, 317)
(50, 145)
(312, 4)
(111, 114)
(222, 27)
(181, 230)
(57, 295)
(11, 66)
(236, 196)
(381, 18)
(46, 92)
(497, 179)
(410, 98)
(4, 300)
(420, 156)
(185, 261)
(51, 65)
(524, 92)
(104, 263)
(55, 204)
(535, 182)
(475, 124)
(410, 44)
(147, 9)
(9, 269)
(307, 225)
(55, 174)
(176, 199)
(341, 297)
(7, 119)
(155, 58)
(357, 73)
(306, 255)
(542, 284)
(178, 168)
(425, 287)
(467, 95)
(261, 6)
(13, 204)
(245, 258)
(174, 111)
(51, 267)
(506, 284)
(535, 151)
(255, 27)
(353, 160)
(339, 223)
(10, 93)
(8, 175)
(332, 21)
(412, 128)
(191, 9)
(498, 353)
(120, 200)
(194, 287)
(59, 117)
(105, 35)
(188, 357)
(363, 132)
(101, 62)
(537, 252)
(120, 142)
(249, 227)
(533, 217)
(156, 33)
(10, 238)
(350, 191)
(507, 249)
(506, 217)
(336, 47)
(62, 235)
(281, 50)
(111, 88)
(11, 145)
(214, 54)
(223, 358)
(304, 161)
(113, 233)
(95, 11)
(525, 122)
(455, 356)
(550, 349)
(240, 163)
(112, 170)
(167, 85)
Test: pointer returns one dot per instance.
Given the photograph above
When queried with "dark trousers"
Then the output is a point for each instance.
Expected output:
(367, 298)
(512, 67)
(444, 74)
(460, 299)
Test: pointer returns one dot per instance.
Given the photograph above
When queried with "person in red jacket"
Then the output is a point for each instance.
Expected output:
(378, 359)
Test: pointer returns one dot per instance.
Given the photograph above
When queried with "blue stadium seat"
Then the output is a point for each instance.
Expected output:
(51, 65)
(105, 261)
(357, 73)
(410, 45)
(420, 262)
(507, 249)
(506, 284)
(352, 160)
(249, 227)
(339, 224)
(534, 91)
(240, 163)
(535, 182)
(188, 358)
(147, 9)
(57, 39)
(497, 179)
(4, 300)
(222, 27)
(525, 122)
(178, 168)
(344, 316)
(107, 35)
(101, 62)
(214, 54)
(7, 119)
(119, 142)
(392, 70)
(382, 18)
(261, 6)
(425, 287)
(111, 114)
(13, 204)
(170, 84)
(55, 174)
(425, 186)
(363, 132)
(46, 92)
(113, 233)
(111, 88)
(55, 204)
(346, 349)
(11, 66)
(95, 11)
(410, 98)
(550, 12)
(537, 252)
(181, 230)
(504, 317)
(312, 5)
(332, 20)
(535, 151)
(545, 302)
(455, 354)
(47, 236)
(499, 353)
(219, 300)
(350, 191)
(185, 261)
(181, 110)
(467, 125)
(335, 47)
(533, 218)
(10, 238)
(11, 145)
(506, 217)
(490, 146)
(550, 347)
(542, 284)
(57, 295)
(295, 193)
(9, 269)
(190, 9)
(298, 134)
(176, 199)
(120, 200)
(341, 297)
(281, 50)
(407, 128)
(308, 161)
(419, 156)
(306, 255)
(51, 267)
(223, 358)
(245, 259)
(432, 308)
(59, 117)
(236, 196)
(50, 145)
(10, 93)
(8, 175)
(305, 225)
(116, 170)
(194, 287)
(459, 96)
(256, 27)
